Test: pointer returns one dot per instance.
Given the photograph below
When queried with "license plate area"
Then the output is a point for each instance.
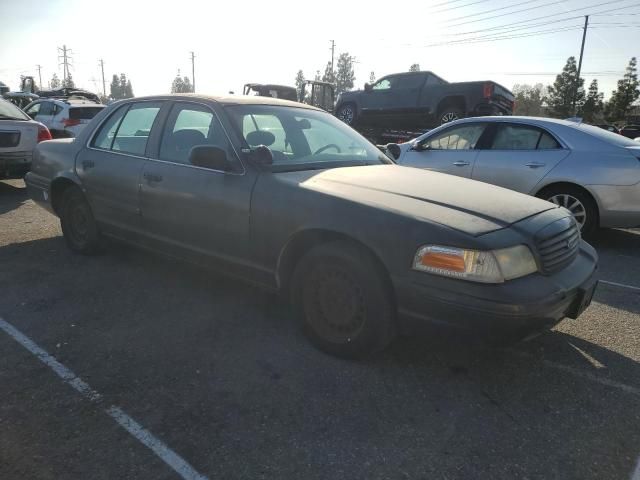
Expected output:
(9, 139)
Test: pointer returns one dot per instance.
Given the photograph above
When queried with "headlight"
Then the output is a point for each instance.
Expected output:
(493, 266)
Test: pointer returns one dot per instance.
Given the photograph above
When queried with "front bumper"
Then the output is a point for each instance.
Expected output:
(526, 304)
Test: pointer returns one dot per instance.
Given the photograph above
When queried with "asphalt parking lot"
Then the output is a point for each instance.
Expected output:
(222, 384)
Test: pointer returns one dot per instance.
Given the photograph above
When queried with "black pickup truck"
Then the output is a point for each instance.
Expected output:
(420, 100)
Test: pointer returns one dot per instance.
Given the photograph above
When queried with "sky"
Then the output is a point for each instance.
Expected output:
(269, 41)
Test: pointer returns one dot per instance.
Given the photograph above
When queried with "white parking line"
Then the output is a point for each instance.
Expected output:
(582, 374)
(171, 458)
(622, 285)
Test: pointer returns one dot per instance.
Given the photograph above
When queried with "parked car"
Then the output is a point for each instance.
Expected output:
(63, 117)
(593, 173)
(311, 209)
(420, 100)
(19, 135)
(609, 128)
(630, 131)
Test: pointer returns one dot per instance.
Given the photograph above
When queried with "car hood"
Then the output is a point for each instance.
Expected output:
(465, 205)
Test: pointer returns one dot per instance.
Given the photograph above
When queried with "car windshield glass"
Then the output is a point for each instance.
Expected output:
(9, 111)
(609, 137)
(301, 138)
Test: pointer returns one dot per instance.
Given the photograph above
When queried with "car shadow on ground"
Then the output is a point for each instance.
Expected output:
(12, 196)
(222, 371)
(623, 240)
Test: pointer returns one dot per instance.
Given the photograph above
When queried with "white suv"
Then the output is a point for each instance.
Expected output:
(63, 117)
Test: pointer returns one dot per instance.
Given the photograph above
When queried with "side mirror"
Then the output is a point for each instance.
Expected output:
(394, 150)
(418, 147)
(261, 155)
(368, 87)
(210, 156)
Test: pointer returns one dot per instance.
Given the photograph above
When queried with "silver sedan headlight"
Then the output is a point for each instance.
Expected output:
(492, 266)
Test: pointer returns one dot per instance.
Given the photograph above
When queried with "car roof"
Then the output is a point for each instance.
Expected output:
(225, 100)
(520, 119)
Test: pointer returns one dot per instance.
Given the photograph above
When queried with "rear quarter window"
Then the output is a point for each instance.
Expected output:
(605, 136)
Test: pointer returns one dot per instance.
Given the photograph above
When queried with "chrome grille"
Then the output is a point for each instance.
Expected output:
(558, 244)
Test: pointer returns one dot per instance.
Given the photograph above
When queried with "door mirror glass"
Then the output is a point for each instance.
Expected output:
(210, 156)
(394, 150)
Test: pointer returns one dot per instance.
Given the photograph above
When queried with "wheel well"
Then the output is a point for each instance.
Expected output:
(58, 188)
(540, 193)
(302, 242)
(449, 102)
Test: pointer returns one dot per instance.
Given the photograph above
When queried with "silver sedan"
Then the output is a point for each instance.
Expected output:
(592, 172)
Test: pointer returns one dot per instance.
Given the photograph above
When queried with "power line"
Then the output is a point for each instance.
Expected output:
(497, 37)
(459, 6)
(498, 9)
(445, 3)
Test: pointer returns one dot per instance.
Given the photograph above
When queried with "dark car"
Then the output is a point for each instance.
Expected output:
(420, 100)
(289, 198)
(608, 127)
(630, 131)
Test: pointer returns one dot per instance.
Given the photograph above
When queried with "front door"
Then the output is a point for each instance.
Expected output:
(451, 151)
(193, 208)
(518, 156)
(110, 168)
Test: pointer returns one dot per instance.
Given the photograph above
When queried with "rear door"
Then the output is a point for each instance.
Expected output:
(111, 166)
(451, 151)
(196, 209)
(517, 156)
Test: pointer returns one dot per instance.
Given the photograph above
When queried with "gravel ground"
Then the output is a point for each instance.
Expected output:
(219, 372)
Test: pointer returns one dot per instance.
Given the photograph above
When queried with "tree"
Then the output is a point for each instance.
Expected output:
(329, 74)
(114, 88)
(68, 82)
(128, 90)
(181, 84)
(563, 91)
(345, 75)
(372, 77)
(415, 67)
(593, 105)
(300, 83)
(55, 81)
(626, 94)
(529, 100)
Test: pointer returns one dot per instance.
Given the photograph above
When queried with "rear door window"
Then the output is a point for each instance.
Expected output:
(133, 132)
(104, 139)
(46, 108)
(522, 137)
(463, 137)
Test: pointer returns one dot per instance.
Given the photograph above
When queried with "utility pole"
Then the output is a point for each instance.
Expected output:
(193, 72)
(65, 62)
(39, 67)
(333, 47)
(584, 37)
(104, 85)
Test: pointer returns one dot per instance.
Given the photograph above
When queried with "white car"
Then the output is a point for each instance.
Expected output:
(19, 136)
(593, 173)
(63, 117)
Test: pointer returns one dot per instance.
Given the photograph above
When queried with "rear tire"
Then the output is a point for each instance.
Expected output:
(449, 115)
(78, 224)
(347, 113)
(578, 202)
(343, 301)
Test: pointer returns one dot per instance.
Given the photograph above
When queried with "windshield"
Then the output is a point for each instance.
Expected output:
(9, 111)
(607, 136)
(301, 138)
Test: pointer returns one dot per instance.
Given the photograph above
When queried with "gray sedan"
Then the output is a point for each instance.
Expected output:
(593, 173)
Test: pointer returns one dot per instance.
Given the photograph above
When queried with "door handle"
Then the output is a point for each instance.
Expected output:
(460, 163)
(150, 177)
(87, 164)
(534, 165)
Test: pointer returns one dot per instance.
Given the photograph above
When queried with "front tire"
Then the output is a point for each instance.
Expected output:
(578, 202)
(78, 224)
(343, 301)
(347, 113)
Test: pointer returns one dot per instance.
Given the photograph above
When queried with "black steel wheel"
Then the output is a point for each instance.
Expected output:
(78, 224)
(342, 298)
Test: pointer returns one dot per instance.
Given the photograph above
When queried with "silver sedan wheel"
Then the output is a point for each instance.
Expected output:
(346, 114)
(572, 204)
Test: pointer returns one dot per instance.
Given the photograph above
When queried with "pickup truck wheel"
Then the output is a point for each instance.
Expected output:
(347, 113)
(449, 115)
(342, 300)
(78, 224)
